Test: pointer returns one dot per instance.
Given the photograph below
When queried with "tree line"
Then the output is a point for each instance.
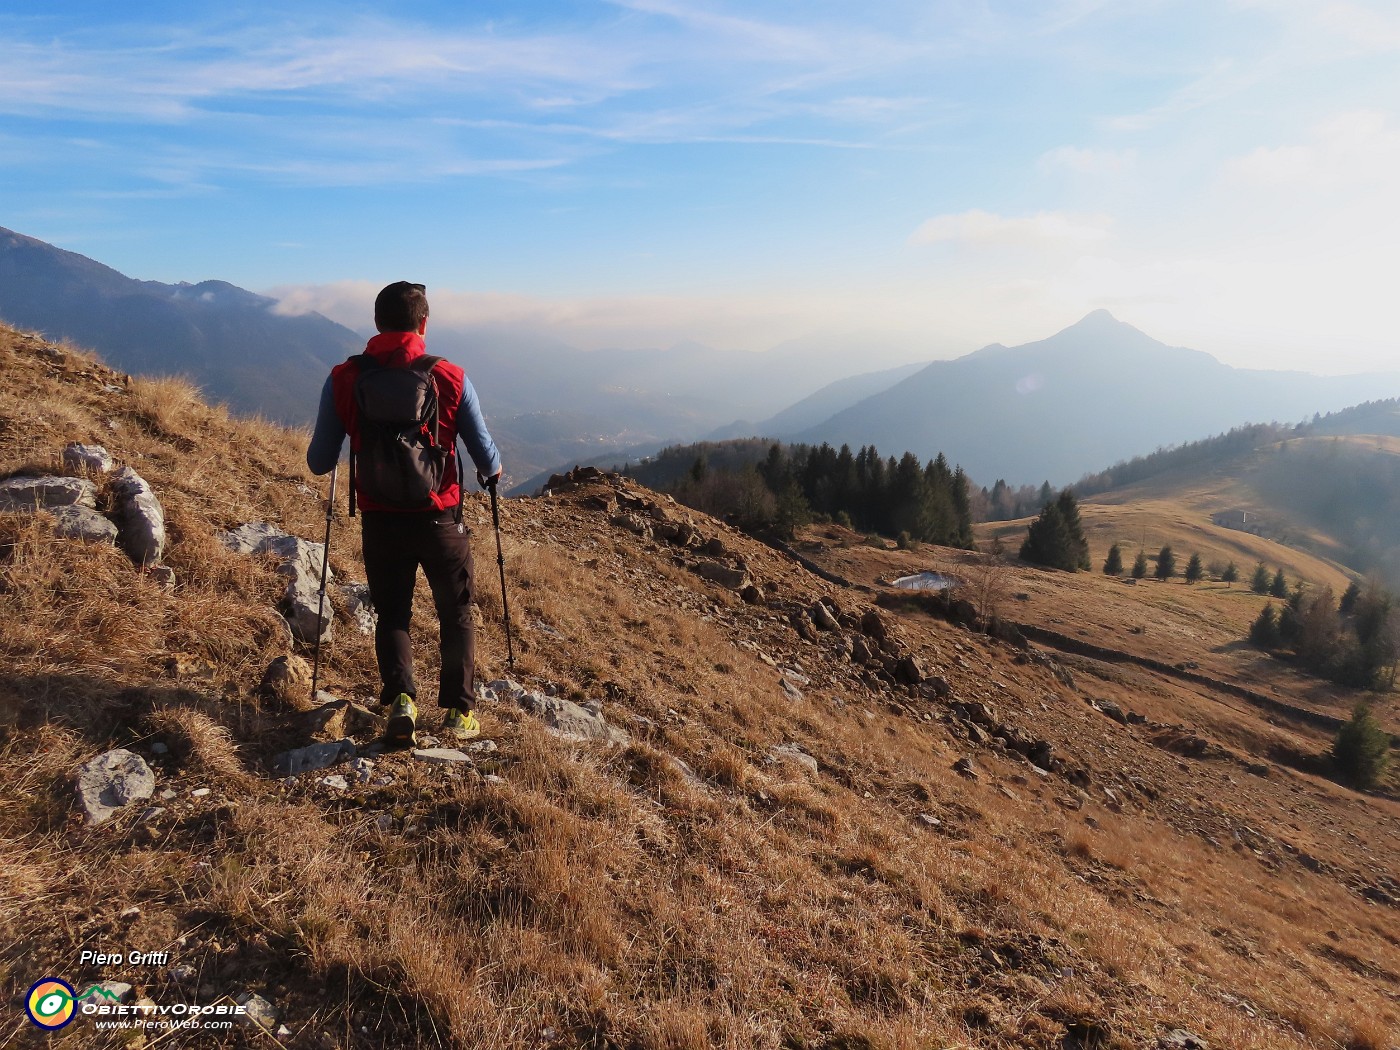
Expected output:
(899, 498)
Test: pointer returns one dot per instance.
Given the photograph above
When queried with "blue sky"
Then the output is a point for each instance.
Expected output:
(935, 175)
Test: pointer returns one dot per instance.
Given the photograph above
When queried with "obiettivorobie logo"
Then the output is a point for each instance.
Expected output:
(51, 1003)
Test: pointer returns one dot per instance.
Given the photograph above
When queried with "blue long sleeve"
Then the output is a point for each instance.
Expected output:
(328, 435)
(471, 428)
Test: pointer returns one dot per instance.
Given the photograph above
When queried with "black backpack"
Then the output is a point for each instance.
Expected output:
(401, 462)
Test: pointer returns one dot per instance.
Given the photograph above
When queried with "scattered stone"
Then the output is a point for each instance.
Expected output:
(752, 594)
(287, 678)
(314, 756)
(160, 748)
(359, 607)
(82, 523)
(163, 576)
(1110, 709)
(441, 756)
(873, 625)
(182, 973)
(201, 792)
(978, 713)
(1376, 895)
(33, 493)
(140, 517)
(567, 719)
(1180, 1039)
(301, 564)
(908, 671)
(336, 782)
(384, 822)
(364, 770)
(724, 575)
(1258, 769)
(483, 747)
(130, 914)
(823, 618)
(793, 753)
(112, 780)
(936, 686)
(964, 767)
(258, 1011)
(793, 693)
(95, 458)
(929, 820)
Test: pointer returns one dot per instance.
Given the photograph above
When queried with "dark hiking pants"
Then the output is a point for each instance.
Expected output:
(395, 545)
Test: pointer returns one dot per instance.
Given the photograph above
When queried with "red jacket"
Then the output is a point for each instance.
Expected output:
(398, 349)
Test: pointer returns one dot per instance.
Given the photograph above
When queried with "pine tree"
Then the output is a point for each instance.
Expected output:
(1140, 565)
(1113, 564)
(1230, 575)
(1194, 569)
(1259, 584)
(1279, 587)
(1264, 631)
(1047, 540)
(1166, 563)
(1056, 537)
(1361, 751)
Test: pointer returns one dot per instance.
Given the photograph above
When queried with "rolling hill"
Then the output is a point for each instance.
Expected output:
(823, 819)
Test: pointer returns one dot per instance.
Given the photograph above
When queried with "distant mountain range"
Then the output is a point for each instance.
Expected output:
(1098, 392)
(227, 340)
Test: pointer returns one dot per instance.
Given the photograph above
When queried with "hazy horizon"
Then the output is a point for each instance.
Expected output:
(643, 173)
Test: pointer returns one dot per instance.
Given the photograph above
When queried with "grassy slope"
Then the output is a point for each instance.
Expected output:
(605, 898)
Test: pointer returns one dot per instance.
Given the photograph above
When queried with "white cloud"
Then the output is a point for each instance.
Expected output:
(1349, 150)
(984, 228)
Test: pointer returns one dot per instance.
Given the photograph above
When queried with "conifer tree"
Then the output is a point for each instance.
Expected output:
(1194, 569)
(1264, 631)
(1231, 574)
(1166, 563)
(1140, 565)
(1259, 583)
(1361, 751)
(1113, 564)
(1056, 537)
(1279, 587)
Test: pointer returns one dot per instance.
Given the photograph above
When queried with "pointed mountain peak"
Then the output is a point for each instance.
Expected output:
(1098, 320)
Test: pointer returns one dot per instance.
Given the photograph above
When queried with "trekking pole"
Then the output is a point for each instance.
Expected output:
(325, 563)
(501, 564)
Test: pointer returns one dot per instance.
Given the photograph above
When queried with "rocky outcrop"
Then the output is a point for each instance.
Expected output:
(140, 517)
(563, 717)
(82, 523)
(300, 562)
(46, 493)
(79, 457)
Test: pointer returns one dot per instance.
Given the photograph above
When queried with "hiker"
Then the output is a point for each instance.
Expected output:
(408, 481)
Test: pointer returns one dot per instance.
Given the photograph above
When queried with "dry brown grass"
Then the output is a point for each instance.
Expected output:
(599, 897)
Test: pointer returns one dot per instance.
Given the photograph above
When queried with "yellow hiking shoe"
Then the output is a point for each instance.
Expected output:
(461, 725)
(403, 720)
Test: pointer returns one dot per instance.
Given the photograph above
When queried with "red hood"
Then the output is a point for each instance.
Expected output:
(395, 349)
